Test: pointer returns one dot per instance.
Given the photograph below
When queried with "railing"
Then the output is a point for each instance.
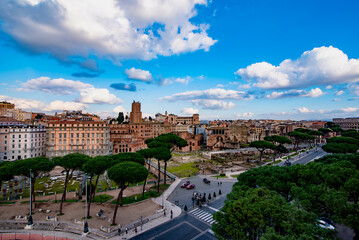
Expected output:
(171, 175)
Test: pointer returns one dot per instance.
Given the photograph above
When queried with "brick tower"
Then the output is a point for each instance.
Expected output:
(136, 114)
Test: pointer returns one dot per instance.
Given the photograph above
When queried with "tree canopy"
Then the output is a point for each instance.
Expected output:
(257, 212)
(123, 157)
(262, 145)
(341, 145)
(124, 174)
(278, 139)
(120, 117)
(351, 133)
(327, 187)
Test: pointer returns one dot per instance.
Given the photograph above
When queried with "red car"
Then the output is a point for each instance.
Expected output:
(190, 186)
(185, 184)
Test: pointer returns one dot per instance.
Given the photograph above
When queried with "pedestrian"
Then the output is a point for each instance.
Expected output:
(171, 214)
(126, 229)
(218, 183)
(119, 232)
(136, 230)
(164, 213)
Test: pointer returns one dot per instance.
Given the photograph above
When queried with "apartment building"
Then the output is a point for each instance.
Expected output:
(87, 137)
(22, 141)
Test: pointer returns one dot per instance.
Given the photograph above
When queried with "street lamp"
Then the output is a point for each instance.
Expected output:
(86, 227)
(30, 221)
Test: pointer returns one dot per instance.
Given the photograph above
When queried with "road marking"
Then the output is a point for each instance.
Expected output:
(174, 227)
(203, 215)
(202, 233)
(212, 208)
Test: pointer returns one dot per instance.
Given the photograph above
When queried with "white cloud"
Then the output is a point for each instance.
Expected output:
(350, 109)
(354, 88)
(338, 93)
(304, 110)
(329, 87)
(98, 96)
(213, 104)
(337, 99)
(244, 86)
(220, 86)
(233, 83)
(320, 66)
(24, 104)
(213, 93)
(119, 109)
(165, 81)
(36, 105)
(189, 111)
(115, 29)
(61, 105)
(313, 93)
(54, 86)
(245, 115)
(139, 74)
(184, 81)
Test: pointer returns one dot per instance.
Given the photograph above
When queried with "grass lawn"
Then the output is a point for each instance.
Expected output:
(162, 187)
(293, 155)
(7, 202)
(219, 176)
(235, 176)
(38, 201)
(184, 169)
(102, 198)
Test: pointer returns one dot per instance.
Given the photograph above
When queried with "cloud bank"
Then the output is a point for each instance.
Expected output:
(112, 29)
(320, 66)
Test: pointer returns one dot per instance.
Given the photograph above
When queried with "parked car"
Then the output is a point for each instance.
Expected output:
(191, 186)
(205, 180)
(327, 220)
(185, 184)
(287, 163)
(325, 225)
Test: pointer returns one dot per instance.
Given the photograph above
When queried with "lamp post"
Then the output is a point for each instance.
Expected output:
(86, 227)
(30, 221)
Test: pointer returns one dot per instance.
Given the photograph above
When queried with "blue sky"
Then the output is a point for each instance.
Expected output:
(221, 59)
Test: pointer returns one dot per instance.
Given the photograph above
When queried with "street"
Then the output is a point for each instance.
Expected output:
(306, 157)
(197, 222)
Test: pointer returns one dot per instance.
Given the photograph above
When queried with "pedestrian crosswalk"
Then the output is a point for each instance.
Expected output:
(203, 215)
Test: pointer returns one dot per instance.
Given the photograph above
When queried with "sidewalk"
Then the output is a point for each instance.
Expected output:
(168, 206)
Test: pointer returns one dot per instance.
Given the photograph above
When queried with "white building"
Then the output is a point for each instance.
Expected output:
(20, 142)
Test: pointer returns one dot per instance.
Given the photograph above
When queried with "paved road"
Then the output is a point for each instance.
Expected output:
(184, 196)
(187, 226)
(196, 224)
(306, 157)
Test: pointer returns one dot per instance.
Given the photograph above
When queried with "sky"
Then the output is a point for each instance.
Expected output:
(223, 59)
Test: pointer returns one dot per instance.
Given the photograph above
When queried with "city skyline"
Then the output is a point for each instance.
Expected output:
(221, 59)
